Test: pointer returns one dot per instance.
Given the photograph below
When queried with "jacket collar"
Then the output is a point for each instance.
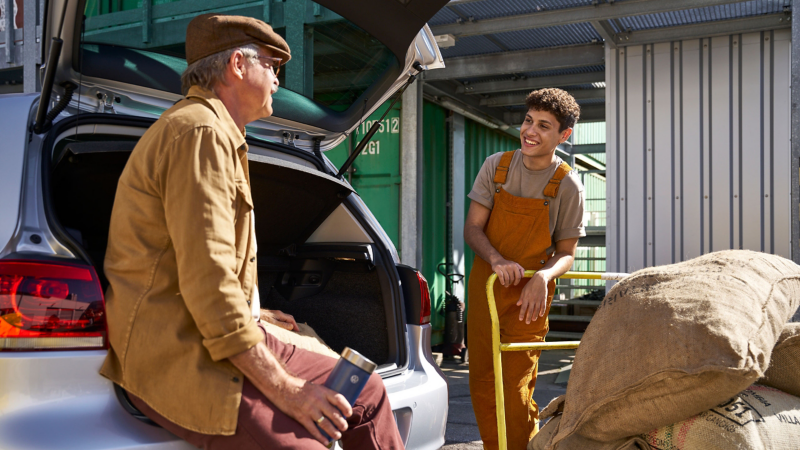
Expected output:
(213, 102)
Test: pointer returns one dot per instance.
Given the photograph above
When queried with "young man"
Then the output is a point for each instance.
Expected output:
(181, 262)
(526, 214)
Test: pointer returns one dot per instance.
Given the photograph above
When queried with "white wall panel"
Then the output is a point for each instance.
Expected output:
(612, 151)
(767, 125)
(698, 148)
(636, 197)
(692, 137)
(752, 141)
(720, 195)
(662, 151)
(781, 195)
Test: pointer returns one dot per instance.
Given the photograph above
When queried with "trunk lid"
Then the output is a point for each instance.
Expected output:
(348, 57)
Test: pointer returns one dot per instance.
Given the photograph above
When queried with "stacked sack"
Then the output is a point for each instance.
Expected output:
(673, 342)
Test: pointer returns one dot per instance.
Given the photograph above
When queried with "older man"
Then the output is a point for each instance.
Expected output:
(181, 262)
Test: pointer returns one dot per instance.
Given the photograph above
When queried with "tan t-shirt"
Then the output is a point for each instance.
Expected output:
(566, 211)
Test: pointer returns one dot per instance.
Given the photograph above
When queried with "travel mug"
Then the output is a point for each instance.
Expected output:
(349, 376)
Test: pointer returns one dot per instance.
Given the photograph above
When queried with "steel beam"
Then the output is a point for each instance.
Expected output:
(31, 48)
(532, 83)
(704, 30)
(116, 28)
(587, 148)
(411, 160)
(602, 11)
(589, 113)
(795, 120)
(16, 52)
(470, 104)
(605, 30)
(457, 196)
(519, 62)
(519, 98)
(9, 36)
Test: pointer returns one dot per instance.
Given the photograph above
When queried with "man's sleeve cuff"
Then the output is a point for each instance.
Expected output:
(570, 233)
(234, 343)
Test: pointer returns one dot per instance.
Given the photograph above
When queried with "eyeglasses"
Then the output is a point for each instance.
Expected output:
(274, 63)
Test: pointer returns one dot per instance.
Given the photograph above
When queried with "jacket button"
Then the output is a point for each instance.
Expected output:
(540, 262)
(248, 303)
(253, 259)
(497, 190)
(546, 203)
(235, 379)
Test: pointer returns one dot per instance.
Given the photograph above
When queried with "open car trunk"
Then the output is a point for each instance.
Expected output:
(342, 289)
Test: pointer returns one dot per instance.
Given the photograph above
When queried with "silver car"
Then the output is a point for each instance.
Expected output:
(323, 257)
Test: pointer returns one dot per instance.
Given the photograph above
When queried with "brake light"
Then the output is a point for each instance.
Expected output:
(50, 306)
(425, 300)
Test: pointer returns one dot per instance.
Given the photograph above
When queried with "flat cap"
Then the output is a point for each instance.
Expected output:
(212, 33)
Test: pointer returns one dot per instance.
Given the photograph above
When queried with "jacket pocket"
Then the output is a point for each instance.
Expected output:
(244, 200)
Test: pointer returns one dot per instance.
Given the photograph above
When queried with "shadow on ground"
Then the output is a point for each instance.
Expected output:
(462, 430)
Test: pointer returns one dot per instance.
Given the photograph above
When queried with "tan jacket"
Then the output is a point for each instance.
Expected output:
(181, 266)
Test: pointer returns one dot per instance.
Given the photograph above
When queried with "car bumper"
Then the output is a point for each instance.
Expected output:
(58, 400)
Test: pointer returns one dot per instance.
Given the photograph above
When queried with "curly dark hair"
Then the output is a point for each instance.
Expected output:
(555, 101)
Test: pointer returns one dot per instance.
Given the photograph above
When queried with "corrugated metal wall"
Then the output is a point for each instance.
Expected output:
(698, 148)
(434, 204)
(479, 143)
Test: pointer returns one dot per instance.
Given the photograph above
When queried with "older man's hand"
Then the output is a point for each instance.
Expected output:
(280, 319)
(312, 405)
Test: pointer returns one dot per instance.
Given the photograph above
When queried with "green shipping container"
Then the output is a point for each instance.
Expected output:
(376, 174)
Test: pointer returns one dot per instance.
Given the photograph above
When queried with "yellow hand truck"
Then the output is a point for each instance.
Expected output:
(498, 347)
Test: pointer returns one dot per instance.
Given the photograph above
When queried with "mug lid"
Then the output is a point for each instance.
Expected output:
(358, 360)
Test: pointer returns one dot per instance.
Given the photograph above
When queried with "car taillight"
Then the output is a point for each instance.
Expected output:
(425, 300)
(50, 306)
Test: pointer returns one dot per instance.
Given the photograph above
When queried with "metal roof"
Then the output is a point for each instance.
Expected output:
(701, 15)
(499, 43)
(540, 73)
(490, 9)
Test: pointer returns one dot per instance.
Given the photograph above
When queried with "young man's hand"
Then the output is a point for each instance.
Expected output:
(508, 272)
(533, 300)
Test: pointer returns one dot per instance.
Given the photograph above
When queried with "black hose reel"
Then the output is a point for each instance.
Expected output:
(453, 309)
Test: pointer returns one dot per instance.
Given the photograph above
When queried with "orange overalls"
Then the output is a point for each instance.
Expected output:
(519, 229)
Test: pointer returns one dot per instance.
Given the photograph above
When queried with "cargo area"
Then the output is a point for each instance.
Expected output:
(341, 289)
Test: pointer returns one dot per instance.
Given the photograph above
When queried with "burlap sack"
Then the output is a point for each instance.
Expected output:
(306, 338)
(542, 440)
(759, 417)
(784, 367)
(673, 341)
(577, 442)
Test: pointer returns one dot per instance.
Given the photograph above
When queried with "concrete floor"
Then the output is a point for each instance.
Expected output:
(462, 430)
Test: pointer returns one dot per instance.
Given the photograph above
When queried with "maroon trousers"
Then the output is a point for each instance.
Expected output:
(263, 426)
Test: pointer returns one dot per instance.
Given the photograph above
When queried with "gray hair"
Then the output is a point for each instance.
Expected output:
(206, 72)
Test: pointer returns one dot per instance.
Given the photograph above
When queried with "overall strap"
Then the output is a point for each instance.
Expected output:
(551, 190)
(501, 172)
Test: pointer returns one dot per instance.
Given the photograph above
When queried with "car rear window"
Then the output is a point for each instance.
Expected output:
(333, 61)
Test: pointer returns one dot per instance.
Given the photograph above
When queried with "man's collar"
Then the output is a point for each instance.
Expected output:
(215, 104)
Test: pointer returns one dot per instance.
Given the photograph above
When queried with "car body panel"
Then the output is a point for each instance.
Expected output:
(14, 123)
